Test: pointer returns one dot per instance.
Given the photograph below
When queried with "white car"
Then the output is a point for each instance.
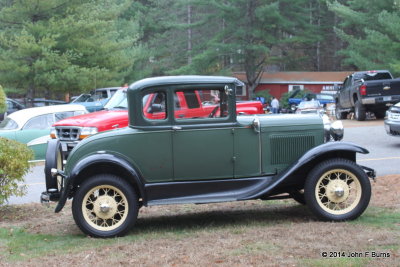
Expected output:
(392, 122)
(31, 126)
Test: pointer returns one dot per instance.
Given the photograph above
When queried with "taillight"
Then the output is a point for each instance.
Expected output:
(363, 89)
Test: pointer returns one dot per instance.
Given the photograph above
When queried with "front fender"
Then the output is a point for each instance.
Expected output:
(308, 157)
(98, 159)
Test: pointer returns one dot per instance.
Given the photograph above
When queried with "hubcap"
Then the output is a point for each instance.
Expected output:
(338, 191)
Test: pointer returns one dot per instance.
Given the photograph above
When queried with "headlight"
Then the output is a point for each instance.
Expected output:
(337, 130)
(88, 131)
(326, 121)
(53, 133)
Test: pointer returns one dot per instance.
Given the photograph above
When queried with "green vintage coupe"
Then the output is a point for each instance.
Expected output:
(165, 158)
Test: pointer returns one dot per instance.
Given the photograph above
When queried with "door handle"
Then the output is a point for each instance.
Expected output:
(175, 128)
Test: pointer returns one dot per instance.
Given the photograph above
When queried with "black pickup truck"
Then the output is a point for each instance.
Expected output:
(365, 91)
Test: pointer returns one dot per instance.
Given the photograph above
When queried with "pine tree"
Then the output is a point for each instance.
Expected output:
(64, 46)
(372, 34)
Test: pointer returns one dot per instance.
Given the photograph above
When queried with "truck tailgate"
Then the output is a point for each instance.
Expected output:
(383, 87)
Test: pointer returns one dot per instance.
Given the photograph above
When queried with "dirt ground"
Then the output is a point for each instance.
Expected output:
(252, 233)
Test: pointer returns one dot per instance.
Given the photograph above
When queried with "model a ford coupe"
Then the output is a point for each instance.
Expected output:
(163, 157)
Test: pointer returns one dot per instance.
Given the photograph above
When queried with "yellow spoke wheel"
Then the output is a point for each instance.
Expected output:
(337, 190)
(105, 206)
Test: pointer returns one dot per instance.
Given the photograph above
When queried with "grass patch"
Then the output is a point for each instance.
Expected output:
(18, 245)
(380, 218)
(348, 262)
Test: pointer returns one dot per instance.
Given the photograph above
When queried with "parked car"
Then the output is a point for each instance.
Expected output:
(41, 102)
(31, 126)
(96, 99)
(307, 107)
(365, 91)
(164, 158)
(392, 122)
(115, 115)
(12, 106)
(323, 99)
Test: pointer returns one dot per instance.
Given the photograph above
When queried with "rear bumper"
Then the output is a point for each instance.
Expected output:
(380, 100)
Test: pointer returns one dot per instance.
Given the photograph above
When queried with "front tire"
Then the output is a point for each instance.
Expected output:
(337, 190)
(105, 206)
(339, 114)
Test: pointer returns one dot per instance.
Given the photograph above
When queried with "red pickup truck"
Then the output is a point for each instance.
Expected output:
(191, 104)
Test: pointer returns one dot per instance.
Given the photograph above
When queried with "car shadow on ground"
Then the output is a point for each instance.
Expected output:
(221, 218)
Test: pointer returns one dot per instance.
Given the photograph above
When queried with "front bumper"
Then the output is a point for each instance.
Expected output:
(392, 127)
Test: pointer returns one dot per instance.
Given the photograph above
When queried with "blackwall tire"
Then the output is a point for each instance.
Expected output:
(339, 114)
(105, 206)
(337, 190)
(54, 159)
(359, 111)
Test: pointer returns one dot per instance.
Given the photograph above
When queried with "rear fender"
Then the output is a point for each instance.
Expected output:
(311, 158)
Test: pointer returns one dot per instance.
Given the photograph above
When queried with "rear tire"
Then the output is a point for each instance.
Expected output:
(337, 190)
(359, 111)
(105, 206)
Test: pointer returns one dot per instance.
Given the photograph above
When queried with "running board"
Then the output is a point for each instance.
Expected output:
(199, 192)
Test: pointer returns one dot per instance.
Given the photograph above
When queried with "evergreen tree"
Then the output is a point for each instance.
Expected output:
(371, 31)
(64, 46)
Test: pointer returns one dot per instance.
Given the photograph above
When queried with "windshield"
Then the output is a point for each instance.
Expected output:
(309, 104)
(118, 100)
(83, 98)
(8, 124)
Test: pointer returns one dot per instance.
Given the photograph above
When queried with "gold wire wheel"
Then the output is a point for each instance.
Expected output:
(105, 207)
(338, 191)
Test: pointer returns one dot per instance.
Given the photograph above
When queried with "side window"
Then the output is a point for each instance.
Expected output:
(202, 103)
(39, 123)
(154, 106)
(63, 115)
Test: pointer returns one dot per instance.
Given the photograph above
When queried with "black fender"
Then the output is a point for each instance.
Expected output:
(96, 159)
(307, 157)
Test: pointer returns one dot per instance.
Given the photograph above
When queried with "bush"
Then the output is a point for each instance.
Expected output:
(264, 93)
(3, 104)
(14, 158)
(284, 101)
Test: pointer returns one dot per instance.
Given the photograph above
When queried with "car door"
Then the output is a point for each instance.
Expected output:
(203, 147)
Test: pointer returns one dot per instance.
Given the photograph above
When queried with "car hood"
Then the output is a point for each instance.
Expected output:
(103, 120)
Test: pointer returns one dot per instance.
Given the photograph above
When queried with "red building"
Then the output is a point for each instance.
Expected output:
(279, 83)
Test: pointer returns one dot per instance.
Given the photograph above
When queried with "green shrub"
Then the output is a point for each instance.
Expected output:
(14, 158)
(3, 104)
(284, 101)
(264, 93)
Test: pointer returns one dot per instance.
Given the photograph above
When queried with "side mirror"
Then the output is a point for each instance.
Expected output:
(228, 91)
